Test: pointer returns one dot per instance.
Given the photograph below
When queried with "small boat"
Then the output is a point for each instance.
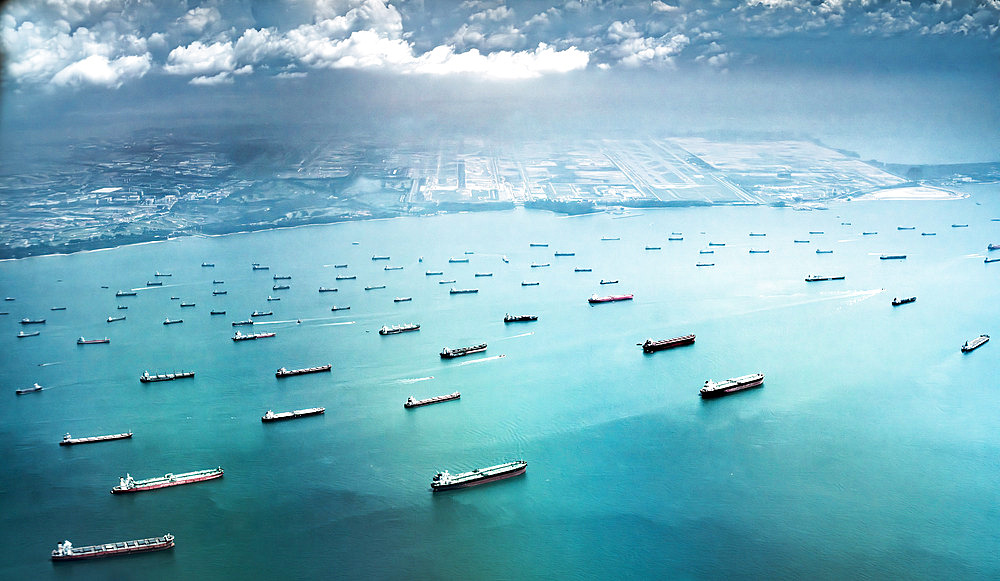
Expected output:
(446, 281)
(505, 259)
(396, 329)
(251, 336)
(12, 298)
(483, 274)
(845, 223)
(122, 293)
(281, 277)
(270, 416)
(756, 251)
(393, 268)
(175, 298)
(583, 270)
(261, 313)
(539, 265)
(217, 293)
(818, 251)
(69, 440)
(375, 287)
(208, 265)
(519, 318)
(147, 378)
(433, 273)
(57, 309)
(154, 283)
(158, 273)
(652, 248)
(187, 304)
(402, 299)
(377, 257)
(463, 291)
(469, 252)
(167, 321)
(113, 319)
(218, 313)
(892, 257)
(340, 266)
(594, 299)
(538, 244)
(959, 225)
(31, 389)
(324, 289)
(278, 287)
(565, 253)
(240, 323)
(32, 321)
(283, 372)
(272, 299)
(968, 346)
(897, 301)
(22, 334)
(82, 341)
(413, 403)
(336, 308)
(529, 283)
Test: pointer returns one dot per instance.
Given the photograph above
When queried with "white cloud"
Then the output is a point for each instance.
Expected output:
(201, 59)
(223, 78)
(660, 6)
(99, 70)
(198, 19)
(493, 14)
(502, 64)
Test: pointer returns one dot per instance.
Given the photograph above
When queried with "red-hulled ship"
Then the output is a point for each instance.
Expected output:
(65, 551)
(608, 299)
(650, 345)
(721, 388)
(129, 484)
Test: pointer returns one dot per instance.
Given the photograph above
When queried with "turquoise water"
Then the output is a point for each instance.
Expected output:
(872, 451)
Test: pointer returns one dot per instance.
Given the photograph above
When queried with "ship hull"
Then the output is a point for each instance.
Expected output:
(431, 400)
(167, 483)
(130, 548)
(653, 346)
(453, 353)
(93, 439)
(485, 480)
(716, 393)
(292, 416)
(290, 372)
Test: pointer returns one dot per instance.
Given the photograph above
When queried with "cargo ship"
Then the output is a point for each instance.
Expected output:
(324, 289)
(800, 241)
(218, 282)
(815, 278)
(281, 277)
(251, 336)
(129, 484)
(674, 238)
(608, 299)
(22, 334)
(565, 253)
(614, 281)
(706, 252)
(346, 276)
(208, 265)
(82, 341)
(433, 273)
(340, 266)
(217, 312)
(650, 345)
(897, 301)
(154, 283)
(32, 321)
(928, 233)
(374, 287)
(716, 243)
(483, 274)
(270, 298)
(444, 481)
(989, 260)
(538, 244)
(395, 329)
(158, 273)
(241, 323)
(968, 346)
(31, 389)
(415, 403)
(721, 388)
(610, 238)
(451, 281)
(755, 251)
(344, 308)
(69, 440)
(167, 321)
(758, 234)
(377, 257)
(705, 264)
(447, 353)
(463, 291)
(65, 551)
(892, 257)
(906, 227)
(818, 251)
(530, 283)
(993, 247)
(583, 270)
(959, 225)
(869, 233)
(539, 265)
(815, 231)
(282, 372)
(519, 318)
(393, 268)
(187, 304)
(280, 287)
(221, 292)
(402, 299)
(261, 313)
(652, 248)
(258, 266)
(270, 416)
(147, 378)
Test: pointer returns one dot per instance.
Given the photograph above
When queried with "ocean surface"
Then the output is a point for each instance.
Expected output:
(871, 452)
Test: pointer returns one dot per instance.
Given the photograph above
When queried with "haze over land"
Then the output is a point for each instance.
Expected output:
(197, 101)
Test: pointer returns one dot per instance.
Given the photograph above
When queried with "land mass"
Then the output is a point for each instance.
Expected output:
(101, 194)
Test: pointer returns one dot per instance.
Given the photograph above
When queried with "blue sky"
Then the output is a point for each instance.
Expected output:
(578, 52)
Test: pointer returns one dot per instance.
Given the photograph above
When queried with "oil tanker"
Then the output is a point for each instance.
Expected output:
(650, 345)
(65, 551)
(444, 481)
(721, 388)
(129, 484)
